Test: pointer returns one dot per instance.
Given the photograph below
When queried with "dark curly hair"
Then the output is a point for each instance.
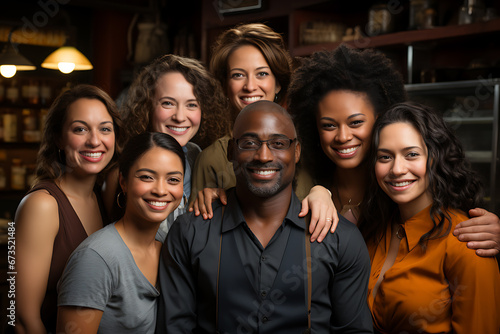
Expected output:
(348, 69)
(266, 40)
(452, 182)
(138, 105)
(51, 163)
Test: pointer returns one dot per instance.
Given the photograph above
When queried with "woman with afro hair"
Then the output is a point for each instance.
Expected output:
(335, 98)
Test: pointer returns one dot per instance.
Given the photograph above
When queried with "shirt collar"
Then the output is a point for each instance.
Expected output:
(417, 226)
(233, 216)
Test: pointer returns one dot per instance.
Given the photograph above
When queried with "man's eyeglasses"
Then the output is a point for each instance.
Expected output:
(254, 144)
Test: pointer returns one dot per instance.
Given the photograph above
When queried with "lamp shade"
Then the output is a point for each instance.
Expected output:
(66, 59)
(10, 56)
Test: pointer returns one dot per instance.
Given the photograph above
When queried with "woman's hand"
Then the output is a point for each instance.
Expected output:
(323, 212)
(481, 232)
(203, 203)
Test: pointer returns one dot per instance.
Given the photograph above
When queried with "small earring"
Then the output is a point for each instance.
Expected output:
(118, 199)
(275, 97)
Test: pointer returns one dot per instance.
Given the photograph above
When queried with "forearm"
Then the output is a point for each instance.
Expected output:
(29, 325)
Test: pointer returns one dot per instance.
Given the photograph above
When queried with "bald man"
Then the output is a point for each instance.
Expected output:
(252, 268)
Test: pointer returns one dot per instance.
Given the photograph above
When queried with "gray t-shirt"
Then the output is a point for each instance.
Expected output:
(102, 274)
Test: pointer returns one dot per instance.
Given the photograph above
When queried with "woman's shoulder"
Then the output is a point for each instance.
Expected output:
(38, 204)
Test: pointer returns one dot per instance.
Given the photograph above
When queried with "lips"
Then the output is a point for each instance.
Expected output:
(92, 156)
(400, 185)
(347, 152)
(178, 129)
(250, 99)
(157, 205)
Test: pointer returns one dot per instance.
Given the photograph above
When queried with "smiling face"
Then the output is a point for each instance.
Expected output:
(401, 168)
(264, 172)
(154, 186)
(176, 110)
(250, 77)
(88, 137)
(345, 122)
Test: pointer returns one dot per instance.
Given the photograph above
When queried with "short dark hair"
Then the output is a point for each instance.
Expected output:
(452, 182)
(344, 69)
(140, 144)
(50, 165)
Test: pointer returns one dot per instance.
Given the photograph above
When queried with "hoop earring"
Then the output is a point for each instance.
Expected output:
(118, 199)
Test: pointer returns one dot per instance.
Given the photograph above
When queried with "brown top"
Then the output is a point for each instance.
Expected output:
(71, 233)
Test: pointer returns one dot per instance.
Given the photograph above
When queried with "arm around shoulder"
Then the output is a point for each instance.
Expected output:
(37, 224)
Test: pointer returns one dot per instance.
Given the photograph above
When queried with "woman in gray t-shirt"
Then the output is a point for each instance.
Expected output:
(109, 283)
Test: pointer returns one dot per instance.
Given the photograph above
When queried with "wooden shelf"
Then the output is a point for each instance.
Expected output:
(404, 38)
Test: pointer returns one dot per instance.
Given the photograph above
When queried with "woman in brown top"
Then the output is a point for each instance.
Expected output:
(62, 209)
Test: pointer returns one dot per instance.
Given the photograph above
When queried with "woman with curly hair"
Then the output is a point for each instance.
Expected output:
(423, 279)
(335, 98)
(80, 142)
(252, 64)
(177, 96)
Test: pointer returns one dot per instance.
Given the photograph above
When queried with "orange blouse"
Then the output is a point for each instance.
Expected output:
(446, 289)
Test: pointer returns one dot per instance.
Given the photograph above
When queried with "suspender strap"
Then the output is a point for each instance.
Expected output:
(309, 273)
(218, 275)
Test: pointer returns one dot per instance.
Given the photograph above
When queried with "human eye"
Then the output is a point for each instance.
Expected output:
(237, 75)
(145, 177)
(107, 129)
(383, 158)
(79, 129)
(262, 74)
(328, 126)
(357, 122)
(279, 144)
(167, 104)
(193, 105)
(412, 155)
(249, 143)
(174, 180)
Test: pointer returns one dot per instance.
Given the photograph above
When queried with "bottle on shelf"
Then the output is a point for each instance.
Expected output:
(3, 178)
(12, 92)
(18, 175)
(10, 125)
(31, 130)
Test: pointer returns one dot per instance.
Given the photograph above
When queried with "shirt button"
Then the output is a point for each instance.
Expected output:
(263, 293)
(264, 319)
(263, 258)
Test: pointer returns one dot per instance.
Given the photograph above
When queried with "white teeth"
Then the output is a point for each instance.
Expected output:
(401, 184)
(348, 150)
(251, 99)
(265, 172)
(177, 129)
(154, 203)
(92, 155)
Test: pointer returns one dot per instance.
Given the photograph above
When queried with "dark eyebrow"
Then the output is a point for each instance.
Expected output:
(154, 172)
(85, 123)
(404, 149)
(257, 69)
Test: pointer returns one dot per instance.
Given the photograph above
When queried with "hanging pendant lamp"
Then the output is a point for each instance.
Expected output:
(67, 59)
(12, 61)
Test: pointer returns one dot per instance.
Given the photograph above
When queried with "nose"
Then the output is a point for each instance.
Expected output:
(264, 154)
(160, 188)
(343, 134)
(179, 114)
(250, 84)
(94, 139)
(399, 166)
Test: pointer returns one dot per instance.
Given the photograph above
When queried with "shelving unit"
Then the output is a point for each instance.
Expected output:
(471, 108)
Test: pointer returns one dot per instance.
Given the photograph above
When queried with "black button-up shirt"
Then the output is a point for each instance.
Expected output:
(190, 262)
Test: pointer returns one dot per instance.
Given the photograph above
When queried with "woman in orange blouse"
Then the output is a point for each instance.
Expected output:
(423, 280)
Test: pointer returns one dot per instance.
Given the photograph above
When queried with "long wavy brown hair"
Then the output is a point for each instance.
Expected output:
(51, 163)
(138, 105)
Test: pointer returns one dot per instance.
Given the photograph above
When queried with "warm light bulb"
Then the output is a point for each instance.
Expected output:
(66, 67)
(8, 71)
